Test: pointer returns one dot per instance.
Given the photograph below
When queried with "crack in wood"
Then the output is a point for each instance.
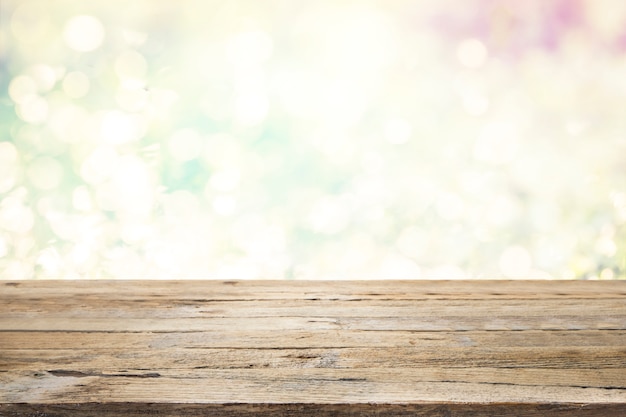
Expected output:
(79, 374)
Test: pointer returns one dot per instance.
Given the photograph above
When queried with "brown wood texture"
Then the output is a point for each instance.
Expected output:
(319, 348)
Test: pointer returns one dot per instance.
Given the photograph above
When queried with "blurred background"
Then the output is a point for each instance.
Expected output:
(313, 140)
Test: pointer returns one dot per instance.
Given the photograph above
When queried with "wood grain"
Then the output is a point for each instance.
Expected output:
(297, 348)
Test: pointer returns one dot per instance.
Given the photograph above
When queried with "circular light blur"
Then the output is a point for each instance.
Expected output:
(83, 33)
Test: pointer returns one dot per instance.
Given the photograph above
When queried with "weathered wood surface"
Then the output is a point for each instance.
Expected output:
(294, 348)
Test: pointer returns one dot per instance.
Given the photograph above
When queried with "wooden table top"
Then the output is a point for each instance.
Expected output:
(312, 348)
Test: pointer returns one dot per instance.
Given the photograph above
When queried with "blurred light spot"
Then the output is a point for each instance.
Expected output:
(33, 109)
(118, 127)
(134, 232)
(607, 20)
(16, 269)
(45, 77)
(224, 205)
(134, 38)
(130, 64)
(372, 162)
(328, 216)
(132, 98)
(15, 216)
(185, 145)
(22, 88)
(445, 272)
(132, 186)
(238, 270)
(475, 104)
(397, 131)
(413, 242)
(75, 84)
(9, 164)
(258, 238)
(161, 102)
(342, 104)
(471, 53)
(181, 206)
(45, 173)
(501, 211)
(545, 215)
(450, 206)
(83, 33)
(618, 199)
(336, 145)
(99, 165)
(30, 23)
(69, 123)
(539, 274)
(81, 253)
(50, 260)
(299, 92)
(81, 199)
(249, 48)
(497, 143)
(399, 267)
(4, 247)
(226, 180)
(576, 127)
(619, 203)
(607, 273)
(357, 41)
(515, 262)
(251, 109)
(125, 261)
(606, 246)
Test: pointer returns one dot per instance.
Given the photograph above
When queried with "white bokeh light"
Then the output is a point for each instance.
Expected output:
(76, 84)
(185, 144)
(515, 262)
(9, 165)
(83, 33)
(472, 53)
(119, 127)
(45, 173)
(398, 131)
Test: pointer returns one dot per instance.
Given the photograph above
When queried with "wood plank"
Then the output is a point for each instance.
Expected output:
(271, 324)
(107, 306)
(248, 409)
(340, 358)
(320, 386)
(384, 348)
(295, 339)
(330, 290)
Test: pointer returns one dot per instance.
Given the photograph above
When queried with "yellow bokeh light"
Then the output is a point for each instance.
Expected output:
(76, 84)
(33, 109)
(22, 88)
(226, 180)
(9, 165)
(83, 33)
(118, 127)
(45, 173)
(29, 24)
(130, 64)
(185, 145)
(14, 215)
(497, 143)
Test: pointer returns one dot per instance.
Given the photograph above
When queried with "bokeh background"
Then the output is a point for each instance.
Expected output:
(313, 140)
